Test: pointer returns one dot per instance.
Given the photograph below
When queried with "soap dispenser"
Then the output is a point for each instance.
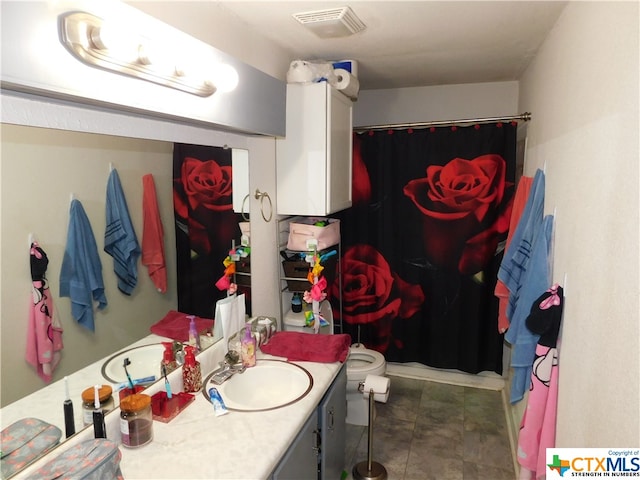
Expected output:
(191, 373)
(194, 337)
(168, 358)
(248, 347)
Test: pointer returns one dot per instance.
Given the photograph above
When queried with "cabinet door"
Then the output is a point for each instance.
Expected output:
(333, 412)
(301, 461)
(313, 164)
(340, 147)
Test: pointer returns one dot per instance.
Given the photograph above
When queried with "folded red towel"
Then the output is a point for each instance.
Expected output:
(299, 346)
(175, 325)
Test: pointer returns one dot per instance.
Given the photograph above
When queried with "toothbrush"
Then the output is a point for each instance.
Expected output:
(128, 362)
(167, 385)
(69, 425)
(136, 381)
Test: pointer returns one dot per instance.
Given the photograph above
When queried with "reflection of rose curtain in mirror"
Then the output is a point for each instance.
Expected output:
(205, 224)
(423, 241)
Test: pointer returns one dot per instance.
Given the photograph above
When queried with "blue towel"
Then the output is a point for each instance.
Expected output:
(81, 271)
(535, 281)
(120, 239)
(516, 258)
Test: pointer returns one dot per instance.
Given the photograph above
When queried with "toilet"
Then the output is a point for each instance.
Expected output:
(360, 363)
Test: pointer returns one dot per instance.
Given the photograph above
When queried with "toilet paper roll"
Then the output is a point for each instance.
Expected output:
(380, 386)
(346, 83)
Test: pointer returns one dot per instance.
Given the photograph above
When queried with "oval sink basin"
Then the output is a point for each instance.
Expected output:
(145, 361)
(268, 385)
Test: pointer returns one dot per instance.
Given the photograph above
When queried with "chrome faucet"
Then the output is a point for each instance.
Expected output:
(226, 371)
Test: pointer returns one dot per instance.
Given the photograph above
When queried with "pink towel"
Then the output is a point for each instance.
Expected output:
(299, 346)
(153, 235)
(44, 331)
(175, 325)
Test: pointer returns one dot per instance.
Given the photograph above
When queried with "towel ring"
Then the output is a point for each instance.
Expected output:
(261, 196)
(244, 200)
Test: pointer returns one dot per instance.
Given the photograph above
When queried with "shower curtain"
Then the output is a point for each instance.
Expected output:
(205, 225)
(423, 241)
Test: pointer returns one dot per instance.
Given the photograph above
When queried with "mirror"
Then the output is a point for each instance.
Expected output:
(41, 169)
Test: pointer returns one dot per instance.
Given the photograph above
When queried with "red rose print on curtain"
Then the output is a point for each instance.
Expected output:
(206, 225)
(373, 294)
(207, 184)
(459, 202)
(361, 183)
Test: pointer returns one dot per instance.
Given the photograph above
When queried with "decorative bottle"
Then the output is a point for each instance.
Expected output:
(191, 373)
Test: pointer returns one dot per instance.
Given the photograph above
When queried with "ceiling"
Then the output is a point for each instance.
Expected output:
(415, 43)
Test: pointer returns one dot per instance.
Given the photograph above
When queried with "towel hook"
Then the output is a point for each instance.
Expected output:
(261, 196)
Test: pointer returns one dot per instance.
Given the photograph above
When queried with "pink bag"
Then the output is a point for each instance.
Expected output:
(303, 229)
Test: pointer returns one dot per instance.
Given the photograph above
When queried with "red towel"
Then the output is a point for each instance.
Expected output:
(175, 325)
(299, 346)
(153, 235)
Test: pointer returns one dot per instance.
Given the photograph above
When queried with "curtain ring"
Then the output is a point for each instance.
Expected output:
(244, 217)
(261, 196)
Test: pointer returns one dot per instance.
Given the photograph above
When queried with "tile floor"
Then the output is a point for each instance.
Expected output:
(429, 430)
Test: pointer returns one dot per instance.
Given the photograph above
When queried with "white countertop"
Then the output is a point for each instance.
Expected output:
(197, 444)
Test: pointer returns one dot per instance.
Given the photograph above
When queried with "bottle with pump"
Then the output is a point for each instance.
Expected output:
(169, 362)
(248, 347)
(296, 303)
(194, 337)
(191, 372)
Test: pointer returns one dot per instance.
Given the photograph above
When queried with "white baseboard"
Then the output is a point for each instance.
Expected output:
(513, 428)
(486, 380)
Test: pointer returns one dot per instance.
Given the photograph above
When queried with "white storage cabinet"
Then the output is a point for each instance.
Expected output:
(314, 167)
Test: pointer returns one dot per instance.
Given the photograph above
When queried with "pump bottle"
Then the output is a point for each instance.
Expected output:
(194, 337)
(191, 372)
(168, 358)
(248, 347)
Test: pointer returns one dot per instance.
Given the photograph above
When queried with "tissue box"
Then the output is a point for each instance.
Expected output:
(303, 229)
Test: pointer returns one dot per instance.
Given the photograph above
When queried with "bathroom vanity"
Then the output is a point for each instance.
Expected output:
(319, 447)
(256, 445)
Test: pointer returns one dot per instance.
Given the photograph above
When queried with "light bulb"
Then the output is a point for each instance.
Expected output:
(225, 77)
(118, 43)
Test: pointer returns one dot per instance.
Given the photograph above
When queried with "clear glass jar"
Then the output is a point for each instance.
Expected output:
(136, 420)
(88, 401)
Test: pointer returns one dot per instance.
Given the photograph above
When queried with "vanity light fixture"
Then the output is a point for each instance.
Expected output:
(118, 48)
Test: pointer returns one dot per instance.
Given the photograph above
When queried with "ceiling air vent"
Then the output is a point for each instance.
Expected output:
(332, 22)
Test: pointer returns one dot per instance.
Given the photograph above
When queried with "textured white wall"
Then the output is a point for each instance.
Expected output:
(443, 102)
(582, 88)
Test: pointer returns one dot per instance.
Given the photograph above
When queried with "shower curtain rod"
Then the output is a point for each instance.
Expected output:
(525, 117)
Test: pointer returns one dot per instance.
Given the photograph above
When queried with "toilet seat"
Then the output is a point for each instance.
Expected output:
(363, 360)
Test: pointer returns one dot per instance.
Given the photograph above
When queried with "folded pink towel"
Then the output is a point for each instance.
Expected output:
(175, 325)
(299, 346)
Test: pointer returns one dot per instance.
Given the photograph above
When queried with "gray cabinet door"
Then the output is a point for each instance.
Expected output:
(301, 460)
(333, 412)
